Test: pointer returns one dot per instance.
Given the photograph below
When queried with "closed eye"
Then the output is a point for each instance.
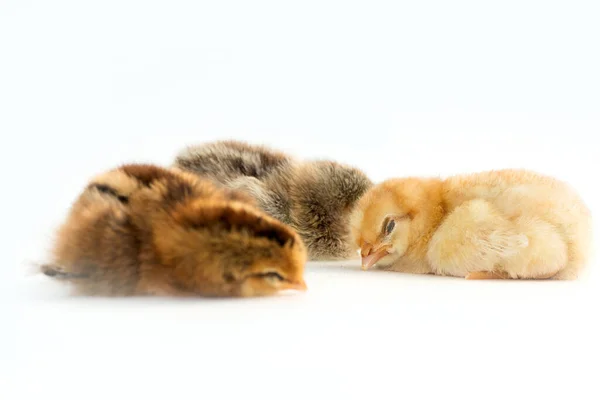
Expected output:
(388, 226)
(271, 275)
(110, 191)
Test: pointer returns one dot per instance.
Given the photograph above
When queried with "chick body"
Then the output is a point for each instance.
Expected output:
(146, 230)
(315, 197)
(498, 224)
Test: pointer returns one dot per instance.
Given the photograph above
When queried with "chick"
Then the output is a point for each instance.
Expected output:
(145, 230)
(314, 197)
(226, 160)
(506, 224)
(262, 173)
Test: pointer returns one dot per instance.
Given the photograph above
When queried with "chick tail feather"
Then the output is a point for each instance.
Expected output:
(54, 271)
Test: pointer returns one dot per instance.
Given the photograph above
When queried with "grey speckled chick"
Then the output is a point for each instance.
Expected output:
(313, 197)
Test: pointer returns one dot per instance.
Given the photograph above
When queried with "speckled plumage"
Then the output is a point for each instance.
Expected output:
(313, 197)
(147, 230)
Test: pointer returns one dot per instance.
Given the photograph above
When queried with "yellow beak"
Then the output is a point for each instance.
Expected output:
(301, 286)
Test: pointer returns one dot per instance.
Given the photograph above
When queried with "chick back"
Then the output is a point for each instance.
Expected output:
(522, 194)
(224, 161)
(313, 197)
(97, 247)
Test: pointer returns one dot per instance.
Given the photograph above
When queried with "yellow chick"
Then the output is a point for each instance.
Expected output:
(505, 224)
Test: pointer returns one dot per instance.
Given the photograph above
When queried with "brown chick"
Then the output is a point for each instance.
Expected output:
(145, 230)
(314, 197)
(507, 224)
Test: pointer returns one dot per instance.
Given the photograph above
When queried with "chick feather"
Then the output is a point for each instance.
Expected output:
(314, 197)
(145, 230)
(509, 223)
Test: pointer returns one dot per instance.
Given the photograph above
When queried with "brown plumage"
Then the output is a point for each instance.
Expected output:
(145, 230)
(313, 197)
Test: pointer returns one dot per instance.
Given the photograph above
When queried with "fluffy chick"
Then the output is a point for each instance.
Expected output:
(314, 197)
(506, 224)
(226, 160)
(145, 230)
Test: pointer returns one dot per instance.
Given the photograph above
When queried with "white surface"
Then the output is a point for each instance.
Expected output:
(395, 88)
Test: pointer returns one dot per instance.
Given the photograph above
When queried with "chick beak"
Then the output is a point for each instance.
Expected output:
(371, 258)
(298, 285)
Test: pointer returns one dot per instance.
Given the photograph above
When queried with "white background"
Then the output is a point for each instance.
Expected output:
(396, 88)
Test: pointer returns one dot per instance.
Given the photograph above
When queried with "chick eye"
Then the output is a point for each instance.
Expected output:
(390, 227)
(110, 191)
(272, 275)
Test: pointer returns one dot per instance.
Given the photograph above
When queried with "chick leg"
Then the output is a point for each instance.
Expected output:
(475, 238)
(480, 275)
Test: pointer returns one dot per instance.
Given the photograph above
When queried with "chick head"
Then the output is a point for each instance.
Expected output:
(242, 251)
(391, 217)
